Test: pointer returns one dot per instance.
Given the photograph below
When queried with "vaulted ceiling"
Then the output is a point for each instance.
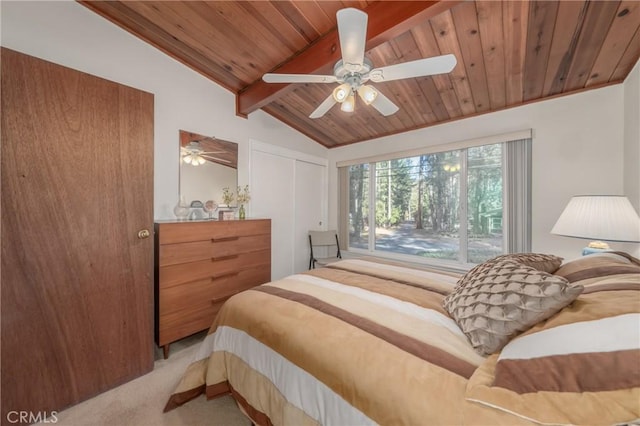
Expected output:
(509, 53)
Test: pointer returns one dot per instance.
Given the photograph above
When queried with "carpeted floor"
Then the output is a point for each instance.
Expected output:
(140, 401)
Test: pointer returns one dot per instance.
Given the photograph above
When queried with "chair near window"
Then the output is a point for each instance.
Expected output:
(327, 241)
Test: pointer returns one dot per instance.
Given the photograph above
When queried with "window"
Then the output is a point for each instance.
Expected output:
(462, 205)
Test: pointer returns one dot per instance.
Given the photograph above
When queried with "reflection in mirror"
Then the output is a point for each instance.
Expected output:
(207, 165)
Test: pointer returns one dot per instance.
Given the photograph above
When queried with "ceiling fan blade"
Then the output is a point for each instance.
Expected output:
(384, 105)
(323, 108)
(419, 68)
(298, 78)
(352, 31)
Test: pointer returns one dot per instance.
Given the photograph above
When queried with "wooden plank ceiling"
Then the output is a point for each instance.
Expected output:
(509, 53)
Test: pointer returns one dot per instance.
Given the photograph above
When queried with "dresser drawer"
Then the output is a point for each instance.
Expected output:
(185, 323)
(216, 267)
(192, 307)
(171, 254)
(199, 231)
(187, 295)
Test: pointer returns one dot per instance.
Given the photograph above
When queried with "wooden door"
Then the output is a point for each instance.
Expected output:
(77, 186)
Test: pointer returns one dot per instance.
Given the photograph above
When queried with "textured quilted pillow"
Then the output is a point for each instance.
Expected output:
(498, 299)
(540, 261)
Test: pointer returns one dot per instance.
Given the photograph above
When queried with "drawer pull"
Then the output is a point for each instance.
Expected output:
(221, 258)
(228, 274)
(223, 298)
(218, 240)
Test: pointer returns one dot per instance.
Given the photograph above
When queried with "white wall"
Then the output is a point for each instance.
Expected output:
(578, 146)
(69, 34)
(632, 137)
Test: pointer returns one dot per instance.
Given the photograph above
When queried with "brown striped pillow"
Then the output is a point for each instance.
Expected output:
(591, 270)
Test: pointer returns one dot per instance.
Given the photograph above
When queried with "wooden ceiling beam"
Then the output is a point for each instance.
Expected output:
(386, 20)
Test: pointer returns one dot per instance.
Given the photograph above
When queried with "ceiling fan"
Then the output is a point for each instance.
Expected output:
(354, 70)
(194, 154)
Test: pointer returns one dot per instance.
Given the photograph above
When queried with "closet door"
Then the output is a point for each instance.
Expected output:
(310, 196)
(77, 187)
(272, 192)
(289, 187)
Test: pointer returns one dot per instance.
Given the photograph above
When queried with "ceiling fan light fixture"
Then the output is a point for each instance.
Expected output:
(368, 94)
(194, 158)
(341, 93)
(349, 104)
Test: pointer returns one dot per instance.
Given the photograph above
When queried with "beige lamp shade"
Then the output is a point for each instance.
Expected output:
(599, 217)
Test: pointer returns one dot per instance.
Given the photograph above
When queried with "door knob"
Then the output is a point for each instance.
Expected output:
(143, 233)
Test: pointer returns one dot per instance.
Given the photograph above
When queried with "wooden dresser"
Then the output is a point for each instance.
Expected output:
(199, 265)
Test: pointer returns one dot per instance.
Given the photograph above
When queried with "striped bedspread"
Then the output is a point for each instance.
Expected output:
(363, 342)
(356, 343)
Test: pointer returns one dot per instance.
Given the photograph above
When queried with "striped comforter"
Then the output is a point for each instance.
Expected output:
(581, 366)
(356, 343)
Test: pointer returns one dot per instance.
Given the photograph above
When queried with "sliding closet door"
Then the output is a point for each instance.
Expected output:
(290, 188)
(77, 188)
(310, 196)
(272, 189)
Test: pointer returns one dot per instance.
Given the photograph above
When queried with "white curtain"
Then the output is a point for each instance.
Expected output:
(517, 196)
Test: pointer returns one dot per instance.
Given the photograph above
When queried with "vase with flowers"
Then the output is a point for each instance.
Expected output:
(227, 196)
(243, 197)
(225, 211)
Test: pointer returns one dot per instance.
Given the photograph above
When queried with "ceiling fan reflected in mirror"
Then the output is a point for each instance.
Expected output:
(354, 70)
(194, 155)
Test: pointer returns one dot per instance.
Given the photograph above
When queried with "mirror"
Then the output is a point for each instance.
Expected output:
(207, 165)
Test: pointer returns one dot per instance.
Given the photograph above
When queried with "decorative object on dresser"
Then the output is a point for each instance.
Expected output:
(226, 215)
(225, 211)
(196, 210)
(199, 265)
(244, 196)
(227, 196)
(209, 207)
(181, 210)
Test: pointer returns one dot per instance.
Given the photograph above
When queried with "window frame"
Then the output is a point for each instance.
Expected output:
(516, 207)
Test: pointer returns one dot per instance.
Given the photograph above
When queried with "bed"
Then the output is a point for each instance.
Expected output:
(369, 342)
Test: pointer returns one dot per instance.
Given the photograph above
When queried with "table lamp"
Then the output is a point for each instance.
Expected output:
(601, 218)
